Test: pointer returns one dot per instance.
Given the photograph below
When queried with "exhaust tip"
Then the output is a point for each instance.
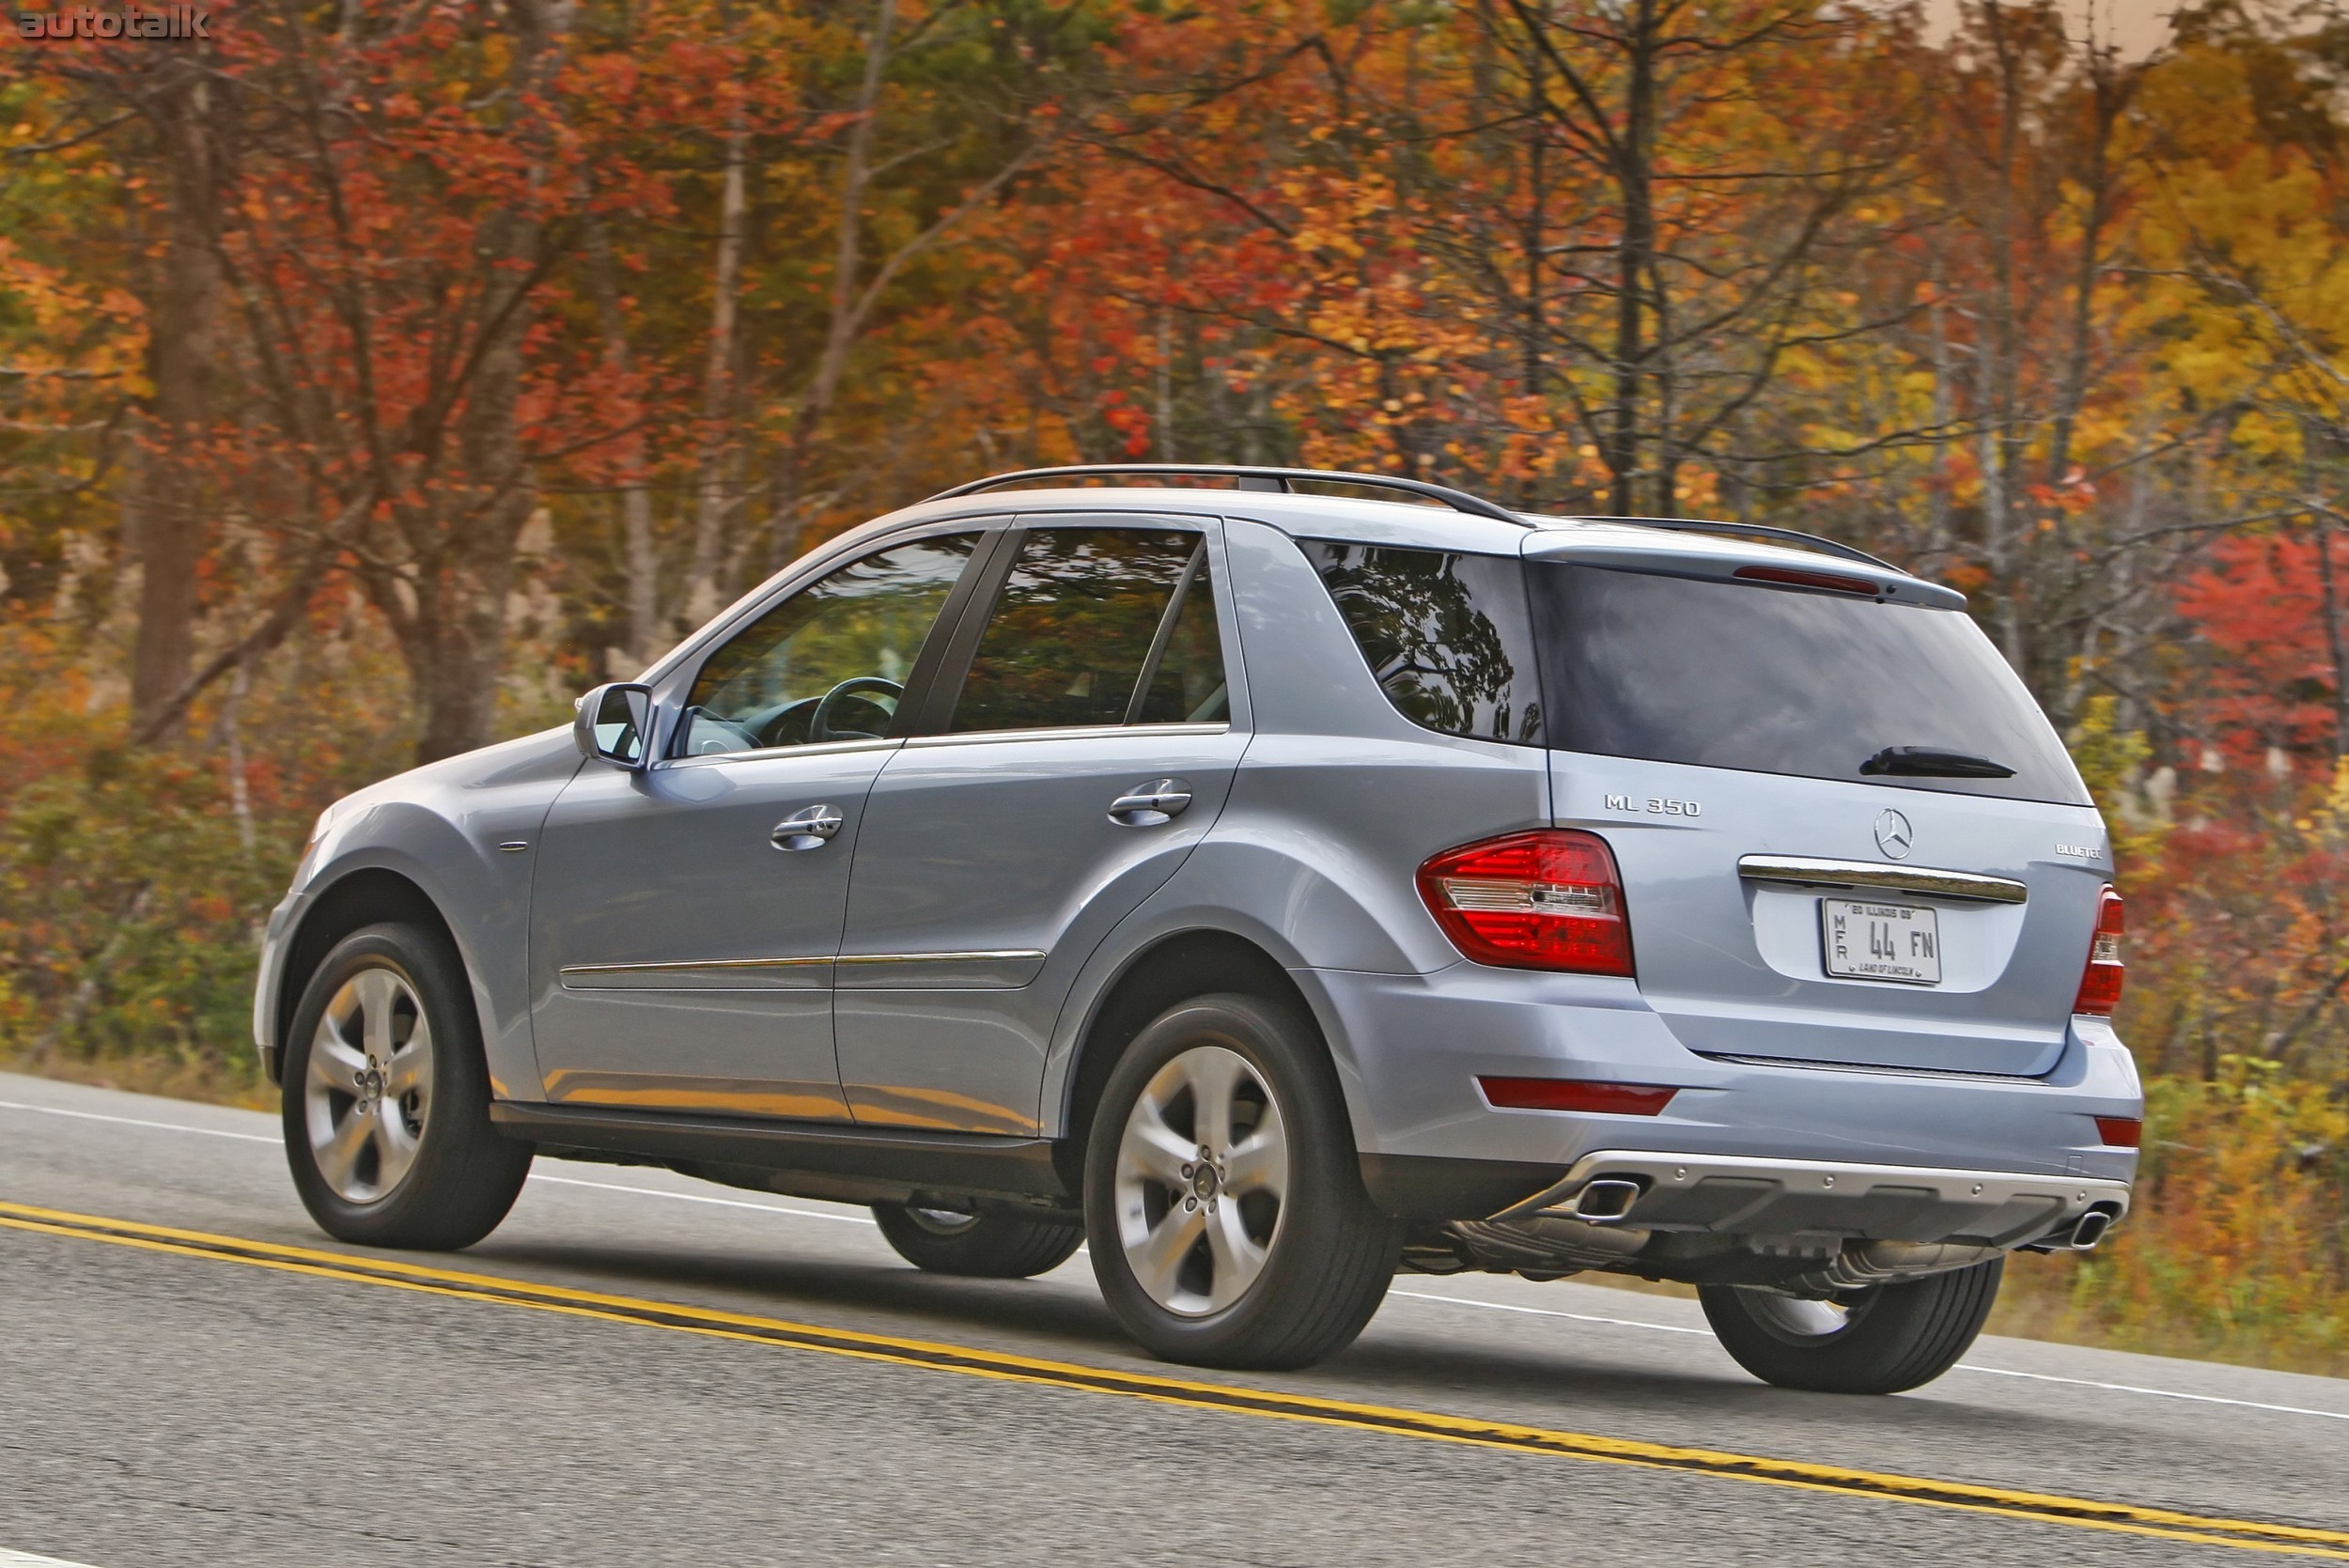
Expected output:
(1607, 1197)
(2090, 1230)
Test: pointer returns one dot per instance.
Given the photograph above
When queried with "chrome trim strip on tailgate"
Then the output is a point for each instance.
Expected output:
(1804, 871)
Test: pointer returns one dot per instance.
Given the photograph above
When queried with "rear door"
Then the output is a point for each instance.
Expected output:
(1846, 833)
(1086, 748)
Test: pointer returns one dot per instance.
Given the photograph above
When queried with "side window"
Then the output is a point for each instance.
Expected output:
(830, 663)
(1098, 625)
(1186, 685)
(1449, 637)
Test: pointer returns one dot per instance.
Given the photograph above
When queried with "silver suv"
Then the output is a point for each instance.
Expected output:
(1274, 889)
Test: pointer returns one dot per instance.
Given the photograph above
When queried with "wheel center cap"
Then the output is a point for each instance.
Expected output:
(370, 1087)
(1203, 1179)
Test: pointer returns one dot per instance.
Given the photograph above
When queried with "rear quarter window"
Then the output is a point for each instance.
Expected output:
(1448, 636)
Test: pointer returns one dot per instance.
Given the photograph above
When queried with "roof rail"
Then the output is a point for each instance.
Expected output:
(1759, 530)
(1278, 480)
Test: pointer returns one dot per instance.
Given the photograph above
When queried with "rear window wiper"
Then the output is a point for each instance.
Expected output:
(1931, 762)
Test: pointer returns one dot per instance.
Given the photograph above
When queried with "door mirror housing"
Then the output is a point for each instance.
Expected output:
(614, 724)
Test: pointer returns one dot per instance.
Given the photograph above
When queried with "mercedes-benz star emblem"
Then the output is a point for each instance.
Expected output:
(1894, 834)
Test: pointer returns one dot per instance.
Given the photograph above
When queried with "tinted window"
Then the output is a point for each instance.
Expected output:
(830, 663)
(1776, 681)
(1188, 685)
(1074, 628)
(1446, 635)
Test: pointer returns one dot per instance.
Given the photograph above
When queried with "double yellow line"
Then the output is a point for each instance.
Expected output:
(2126, 1518)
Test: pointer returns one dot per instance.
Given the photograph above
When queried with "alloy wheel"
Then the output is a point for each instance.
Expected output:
(369, 1085)
(1202, 1181)
(1798, 1320)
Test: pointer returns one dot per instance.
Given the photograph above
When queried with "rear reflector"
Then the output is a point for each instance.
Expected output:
(2100, 982)
(1576, 1093)
(1546, 900)
(1834, 582)
(2120, 1132)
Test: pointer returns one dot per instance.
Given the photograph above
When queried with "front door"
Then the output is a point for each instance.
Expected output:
(1090, 747)
(684, 919)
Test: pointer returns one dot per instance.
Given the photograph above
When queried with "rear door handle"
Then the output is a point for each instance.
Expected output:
(1147, 805)
(809, 829)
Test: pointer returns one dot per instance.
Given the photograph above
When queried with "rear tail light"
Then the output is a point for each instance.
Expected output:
(1546, 900)
(1576, 1093)
(2119, 1132)
(2100, 983)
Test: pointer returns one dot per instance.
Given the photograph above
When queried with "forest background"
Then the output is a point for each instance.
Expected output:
(376, 377)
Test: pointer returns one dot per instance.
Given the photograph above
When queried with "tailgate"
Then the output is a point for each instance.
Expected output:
(1738, 885)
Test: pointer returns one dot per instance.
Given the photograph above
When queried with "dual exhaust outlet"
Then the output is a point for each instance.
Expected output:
(1608, 1198)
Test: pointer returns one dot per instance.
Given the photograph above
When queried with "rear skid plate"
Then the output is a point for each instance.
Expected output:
(1727, 1194)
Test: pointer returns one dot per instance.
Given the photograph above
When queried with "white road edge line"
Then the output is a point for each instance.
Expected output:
(699, 1198)
(26, 1560)
(274, 1141)
(1961, 1366)
(8, 1561)
(134, 1122)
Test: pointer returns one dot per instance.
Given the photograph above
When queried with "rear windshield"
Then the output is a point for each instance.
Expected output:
(1772, 680)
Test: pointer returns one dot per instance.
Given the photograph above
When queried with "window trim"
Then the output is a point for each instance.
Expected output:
(1065, 732)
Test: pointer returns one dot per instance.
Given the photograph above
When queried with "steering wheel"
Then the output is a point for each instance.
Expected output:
(819, 723)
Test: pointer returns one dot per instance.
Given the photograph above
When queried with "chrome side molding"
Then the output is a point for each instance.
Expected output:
(1804, 871)
(680, 966)
(676, 966)
(999, 955)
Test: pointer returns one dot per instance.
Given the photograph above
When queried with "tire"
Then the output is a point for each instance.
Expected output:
(1287, 1258)
(976, 1246)
(1891, 1337)
(390, 1143)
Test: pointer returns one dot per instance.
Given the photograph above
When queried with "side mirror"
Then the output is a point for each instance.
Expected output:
(614, 724)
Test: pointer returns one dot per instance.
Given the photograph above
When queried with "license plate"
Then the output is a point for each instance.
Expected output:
(1899, 942)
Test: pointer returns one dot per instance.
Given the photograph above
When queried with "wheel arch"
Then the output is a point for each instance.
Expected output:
(1171, 967)
(368, 895)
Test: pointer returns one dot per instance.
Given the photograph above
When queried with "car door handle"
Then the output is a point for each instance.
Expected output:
(810, 829)
(1147, 805)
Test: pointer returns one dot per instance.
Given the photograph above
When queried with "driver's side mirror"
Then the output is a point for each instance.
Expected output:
(615, 723)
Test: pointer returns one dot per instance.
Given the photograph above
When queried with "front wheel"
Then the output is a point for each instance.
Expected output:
(1877, 1340)
(386, 1098)
(976, 1246)
(1223, 1203)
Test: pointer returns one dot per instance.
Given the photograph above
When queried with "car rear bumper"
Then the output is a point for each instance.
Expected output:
(1412, 1047)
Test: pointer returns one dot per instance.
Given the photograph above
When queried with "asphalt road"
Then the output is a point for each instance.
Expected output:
(265, 1397)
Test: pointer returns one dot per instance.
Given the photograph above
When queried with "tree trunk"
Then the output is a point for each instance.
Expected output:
(710, 499)
(168, 510)
(455, 645)
(847, 266)
(1635, 254)
(647, 636)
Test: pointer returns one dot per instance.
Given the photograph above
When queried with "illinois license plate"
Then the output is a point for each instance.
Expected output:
(1899, 942)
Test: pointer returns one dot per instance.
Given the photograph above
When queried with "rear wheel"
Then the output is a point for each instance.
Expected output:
(1877, 1340)
(979, 1246)
(1223, 1203)
(386, 1098)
